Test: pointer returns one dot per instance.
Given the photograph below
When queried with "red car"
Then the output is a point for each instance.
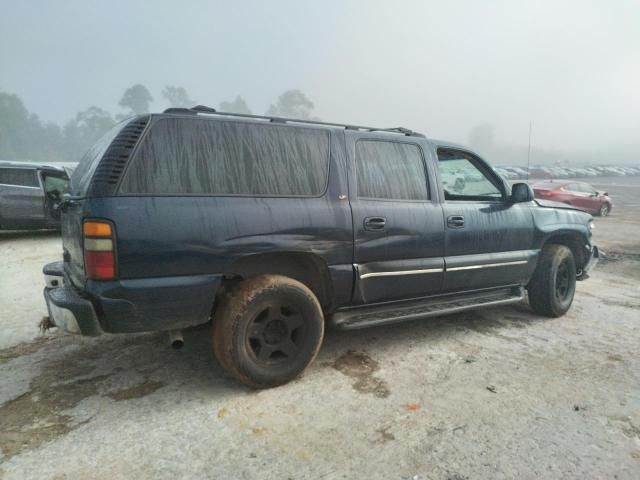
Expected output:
(579, 195)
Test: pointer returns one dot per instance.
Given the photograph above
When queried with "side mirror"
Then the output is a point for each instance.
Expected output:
(521, 192)
(605, 194)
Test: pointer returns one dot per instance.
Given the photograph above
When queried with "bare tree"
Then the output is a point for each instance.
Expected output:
(177, 96)
(137, 99)
(236, 106)
(293, 104)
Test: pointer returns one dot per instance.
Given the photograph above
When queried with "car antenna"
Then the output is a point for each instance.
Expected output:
(529, 152)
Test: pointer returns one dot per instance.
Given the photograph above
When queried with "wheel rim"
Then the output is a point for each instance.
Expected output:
(563, 282)
(276, 335)
(604, 210)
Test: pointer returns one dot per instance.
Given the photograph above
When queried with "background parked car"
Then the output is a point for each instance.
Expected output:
(577, 194)
(30, 194)
(506, 173)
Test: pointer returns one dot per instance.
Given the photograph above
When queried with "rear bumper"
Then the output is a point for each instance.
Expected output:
(128, 306)
(594, 256)
(70, 312)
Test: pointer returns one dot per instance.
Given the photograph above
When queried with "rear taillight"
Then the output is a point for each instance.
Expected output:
(99, 251)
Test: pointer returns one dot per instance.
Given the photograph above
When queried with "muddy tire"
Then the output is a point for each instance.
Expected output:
(267, 330)
(553, 285)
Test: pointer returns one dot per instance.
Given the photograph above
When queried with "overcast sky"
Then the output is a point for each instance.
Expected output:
(572, 67)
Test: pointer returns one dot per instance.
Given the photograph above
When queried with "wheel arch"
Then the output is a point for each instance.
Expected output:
(575, 242)
(305, 267)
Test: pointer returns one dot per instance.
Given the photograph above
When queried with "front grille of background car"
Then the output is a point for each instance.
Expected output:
(107, 174)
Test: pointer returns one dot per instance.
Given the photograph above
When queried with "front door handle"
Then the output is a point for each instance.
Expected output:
(374, 223)
(455, 221)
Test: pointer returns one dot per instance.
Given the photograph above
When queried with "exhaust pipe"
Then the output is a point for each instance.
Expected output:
(175, 339)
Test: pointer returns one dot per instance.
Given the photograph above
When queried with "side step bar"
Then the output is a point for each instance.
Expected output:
(370, 315)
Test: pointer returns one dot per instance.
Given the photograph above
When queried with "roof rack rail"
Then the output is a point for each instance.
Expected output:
(203, 109)
(179, 110)
(212, 111)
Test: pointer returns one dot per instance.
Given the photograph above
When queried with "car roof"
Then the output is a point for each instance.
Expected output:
(447, 144)
(33, 165)
(207, 113)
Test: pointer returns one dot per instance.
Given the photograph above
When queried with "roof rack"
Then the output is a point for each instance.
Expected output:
(212, 111)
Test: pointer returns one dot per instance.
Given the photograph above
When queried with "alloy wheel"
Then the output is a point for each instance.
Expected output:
(276, 335)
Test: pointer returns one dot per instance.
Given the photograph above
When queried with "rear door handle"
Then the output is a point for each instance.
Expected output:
(455, 221)
(374, 223)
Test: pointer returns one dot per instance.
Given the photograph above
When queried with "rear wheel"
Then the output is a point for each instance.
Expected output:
(553, 285)
(267, 330)
(604, 210)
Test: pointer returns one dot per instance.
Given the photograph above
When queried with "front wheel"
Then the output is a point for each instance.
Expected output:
(267, 330)
(553, 286)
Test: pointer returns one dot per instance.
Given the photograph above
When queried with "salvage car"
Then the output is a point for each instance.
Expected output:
(577, 194)
(271, 228)
(30, 194)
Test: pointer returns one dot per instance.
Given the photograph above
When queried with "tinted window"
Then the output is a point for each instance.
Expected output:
(390, 170)
(198, 156)
(463, 180)
(22, 177)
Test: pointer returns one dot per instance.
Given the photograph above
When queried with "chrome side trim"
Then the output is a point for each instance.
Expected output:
(487, 265)
(438, 270)
(19, 186)
(402, 272)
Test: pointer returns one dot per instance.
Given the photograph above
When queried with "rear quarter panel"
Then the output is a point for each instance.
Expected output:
(168, 236)
(171, 236)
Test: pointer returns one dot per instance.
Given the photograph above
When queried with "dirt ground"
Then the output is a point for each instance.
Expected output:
(497, 393)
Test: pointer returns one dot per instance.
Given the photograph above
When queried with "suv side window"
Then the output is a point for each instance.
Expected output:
(390, 171)
(205, 157)
(463, 178)
(20, 177)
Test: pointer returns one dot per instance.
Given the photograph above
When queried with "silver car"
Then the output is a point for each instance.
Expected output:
(30, 194)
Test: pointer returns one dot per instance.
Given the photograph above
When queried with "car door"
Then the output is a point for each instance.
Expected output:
(397, 219)
(55, 185)
(21, 198)
(488, 240)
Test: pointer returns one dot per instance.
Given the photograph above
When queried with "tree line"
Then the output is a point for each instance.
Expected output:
(25, 137)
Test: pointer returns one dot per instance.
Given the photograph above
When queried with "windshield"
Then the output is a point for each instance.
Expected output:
(84, 171)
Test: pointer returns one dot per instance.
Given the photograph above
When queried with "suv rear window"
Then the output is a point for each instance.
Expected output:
(205, 157)
(390, 171)
(21, 177)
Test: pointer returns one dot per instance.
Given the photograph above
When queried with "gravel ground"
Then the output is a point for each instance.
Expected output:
(498, 393)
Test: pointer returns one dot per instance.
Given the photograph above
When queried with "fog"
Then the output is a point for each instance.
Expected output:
(571, 68)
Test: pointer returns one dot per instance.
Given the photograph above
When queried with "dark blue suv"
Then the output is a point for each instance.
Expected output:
(270, 227)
